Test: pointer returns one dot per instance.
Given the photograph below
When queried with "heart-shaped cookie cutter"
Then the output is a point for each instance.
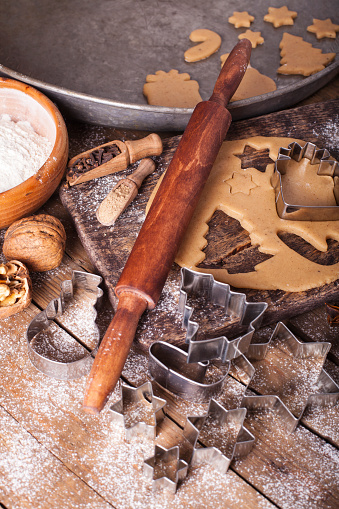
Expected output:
(327, 167)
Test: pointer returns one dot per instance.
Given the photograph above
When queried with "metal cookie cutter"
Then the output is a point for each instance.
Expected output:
(327, 167)
(56, 369)
(234, 305)
(327, 390)
(138, 410)
(238, 439)
(168, 366)
(165, 469)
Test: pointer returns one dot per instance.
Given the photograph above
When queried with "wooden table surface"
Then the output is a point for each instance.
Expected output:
(53, 455)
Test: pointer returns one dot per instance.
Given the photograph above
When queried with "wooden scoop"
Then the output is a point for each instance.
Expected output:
(152, 256)
(128, 152)
(123, 193)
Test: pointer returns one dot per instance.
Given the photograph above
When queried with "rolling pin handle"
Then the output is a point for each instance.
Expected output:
(149, 146)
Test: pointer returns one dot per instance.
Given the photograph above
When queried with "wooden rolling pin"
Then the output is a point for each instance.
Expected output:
(152, 256)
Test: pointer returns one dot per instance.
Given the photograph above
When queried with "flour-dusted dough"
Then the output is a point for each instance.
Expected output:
(256, 210)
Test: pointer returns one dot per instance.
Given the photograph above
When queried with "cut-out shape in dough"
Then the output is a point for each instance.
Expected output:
(254, 37)
(280, 16)
(285, 269)
(171, 89)
(253, 83)
(241, 183)
(210, 43)
(323, 28)
(300, 57)
(252, 158)
(241, 19)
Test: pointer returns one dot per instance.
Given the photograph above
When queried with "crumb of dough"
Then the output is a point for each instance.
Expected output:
(323, 28)
(171, 89)
(253, 83)
(241, 19)
(254, 37)
(280, 16)
(210, 42)
(300, 57)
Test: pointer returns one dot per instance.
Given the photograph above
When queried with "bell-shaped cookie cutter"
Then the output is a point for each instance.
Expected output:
(327, 166)
(56, 369)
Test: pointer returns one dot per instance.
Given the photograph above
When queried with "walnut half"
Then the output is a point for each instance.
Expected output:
(15, 288)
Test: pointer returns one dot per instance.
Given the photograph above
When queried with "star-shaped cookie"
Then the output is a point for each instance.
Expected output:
(241, 19)
(241, 183)
(254, 37)
(280, 16)
(323, 28)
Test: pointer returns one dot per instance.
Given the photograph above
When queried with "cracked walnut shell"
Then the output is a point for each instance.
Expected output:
(15, 288)
(37, 241)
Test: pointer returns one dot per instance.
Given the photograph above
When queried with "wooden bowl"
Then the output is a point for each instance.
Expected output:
(23, 102)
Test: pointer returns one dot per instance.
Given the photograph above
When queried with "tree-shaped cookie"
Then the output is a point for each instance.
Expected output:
(171, 89)
(323, 28)
(280, 16)
(300, 57)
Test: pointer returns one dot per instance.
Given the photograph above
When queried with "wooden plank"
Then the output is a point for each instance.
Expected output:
(30, 476)
(109, 247)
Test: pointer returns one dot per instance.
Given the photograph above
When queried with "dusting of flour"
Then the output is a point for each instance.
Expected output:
(22, 152)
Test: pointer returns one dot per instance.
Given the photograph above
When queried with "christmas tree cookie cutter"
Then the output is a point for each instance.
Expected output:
(327, 167)
(56, 307)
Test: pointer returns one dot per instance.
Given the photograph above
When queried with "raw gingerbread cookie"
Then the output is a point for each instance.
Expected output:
(210, 43)
(241, 19)
(300, 57)
(253, 83)
(248, 196)
(254, 37)
(323, 28)
(280, 16)
(171, 89)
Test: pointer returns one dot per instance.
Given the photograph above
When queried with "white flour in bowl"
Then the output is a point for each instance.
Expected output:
(22, 152)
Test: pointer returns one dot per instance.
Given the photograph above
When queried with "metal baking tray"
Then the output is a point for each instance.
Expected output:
(91, 57)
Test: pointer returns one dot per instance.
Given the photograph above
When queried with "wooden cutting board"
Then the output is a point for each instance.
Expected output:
(109, 247)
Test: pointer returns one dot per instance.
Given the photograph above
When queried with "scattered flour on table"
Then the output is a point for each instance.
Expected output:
(22, 152)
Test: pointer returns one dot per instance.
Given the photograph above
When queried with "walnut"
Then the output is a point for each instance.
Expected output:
(15, 288)
(37, 241)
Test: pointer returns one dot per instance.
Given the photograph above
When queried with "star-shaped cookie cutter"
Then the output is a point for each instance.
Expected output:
(165, 469)
(327, 167)
(328, 390)
(56, 307)
(134, 404)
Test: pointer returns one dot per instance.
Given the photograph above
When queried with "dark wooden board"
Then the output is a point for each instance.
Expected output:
(109, 247)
